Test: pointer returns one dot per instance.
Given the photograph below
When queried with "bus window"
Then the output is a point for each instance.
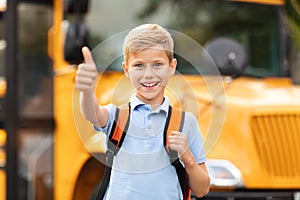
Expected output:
(35, 102)
(202, 21)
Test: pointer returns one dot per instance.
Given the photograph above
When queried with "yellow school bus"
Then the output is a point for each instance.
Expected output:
(247, 98)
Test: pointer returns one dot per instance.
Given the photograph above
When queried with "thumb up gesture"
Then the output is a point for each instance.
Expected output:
(86, 76)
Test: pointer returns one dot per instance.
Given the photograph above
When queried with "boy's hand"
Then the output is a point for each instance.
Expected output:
(86, 76)
(179, 142)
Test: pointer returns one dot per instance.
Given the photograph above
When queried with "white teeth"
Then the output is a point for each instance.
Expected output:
(149, 84)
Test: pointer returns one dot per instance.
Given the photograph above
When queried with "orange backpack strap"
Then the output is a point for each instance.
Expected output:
(115, 140)
(174, 122)
(120, 126)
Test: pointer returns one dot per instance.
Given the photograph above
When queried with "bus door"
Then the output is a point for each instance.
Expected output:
(28, 71)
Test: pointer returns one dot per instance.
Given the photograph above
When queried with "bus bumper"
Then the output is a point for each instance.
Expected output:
(257, 195)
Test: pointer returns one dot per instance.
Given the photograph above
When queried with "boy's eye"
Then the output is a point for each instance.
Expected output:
(157, 65)
(139, 66)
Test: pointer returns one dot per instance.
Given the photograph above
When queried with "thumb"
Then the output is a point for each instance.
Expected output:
(87, 55)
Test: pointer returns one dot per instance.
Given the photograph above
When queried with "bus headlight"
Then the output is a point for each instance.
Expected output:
(224, 173)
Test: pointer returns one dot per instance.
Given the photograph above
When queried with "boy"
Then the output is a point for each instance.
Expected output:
(142, 169)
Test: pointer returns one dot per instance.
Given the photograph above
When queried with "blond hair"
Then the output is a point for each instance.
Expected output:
(148, 36)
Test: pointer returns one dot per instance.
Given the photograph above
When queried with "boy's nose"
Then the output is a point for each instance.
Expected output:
(148, 71)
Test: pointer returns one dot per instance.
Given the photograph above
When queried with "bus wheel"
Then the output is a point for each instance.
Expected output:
(95, 191)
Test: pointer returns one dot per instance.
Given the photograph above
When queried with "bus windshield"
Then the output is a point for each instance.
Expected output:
(256, 26)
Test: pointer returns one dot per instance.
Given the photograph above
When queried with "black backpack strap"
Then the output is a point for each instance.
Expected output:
(115, 141)
(175, 121)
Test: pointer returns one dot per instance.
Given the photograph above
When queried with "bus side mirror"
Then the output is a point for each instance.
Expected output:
(76, 6)
(229, 55)
(76, 37)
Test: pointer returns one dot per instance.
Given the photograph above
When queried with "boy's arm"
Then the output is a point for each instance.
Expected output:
(85, 82)
(92, 111)
(198, 176)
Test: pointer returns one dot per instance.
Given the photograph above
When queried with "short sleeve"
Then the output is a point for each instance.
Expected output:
(196, 144)
(111, 108)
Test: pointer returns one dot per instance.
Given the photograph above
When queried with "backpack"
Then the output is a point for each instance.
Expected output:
(174, 121)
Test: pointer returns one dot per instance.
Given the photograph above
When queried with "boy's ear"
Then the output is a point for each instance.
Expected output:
(125, 69)
(173, 66)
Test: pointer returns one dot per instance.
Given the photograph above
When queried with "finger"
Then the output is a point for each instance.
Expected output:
(90, 70)
(85, 80)
(83, 87)
(87, 55)
(176, 141)
(172, 147)
(174, 133)
(176, 147)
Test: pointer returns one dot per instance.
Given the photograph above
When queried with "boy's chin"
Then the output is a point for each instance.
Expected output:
(151, 98)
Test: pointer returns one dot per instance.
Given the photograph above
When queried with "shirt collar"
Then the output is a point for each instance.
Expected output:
(135, 102)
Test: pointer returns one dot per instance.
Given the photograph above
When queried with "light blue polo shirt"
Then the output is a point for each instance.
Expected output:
(142, 169)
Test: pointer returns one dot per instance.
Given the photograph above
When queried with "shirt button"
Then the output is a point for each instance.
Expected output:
(149, 127)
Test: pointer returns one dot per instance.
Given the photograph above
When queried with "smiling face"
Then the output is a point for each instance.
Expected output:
(149, 71)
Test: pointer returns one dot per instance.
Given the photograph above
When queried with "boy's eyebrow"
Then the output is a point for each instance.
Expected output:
(136, 62)
(153, 60)
(159, 61)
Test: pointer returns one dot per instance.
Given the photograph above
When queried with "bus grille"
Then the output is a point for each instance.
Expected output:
(277, 140)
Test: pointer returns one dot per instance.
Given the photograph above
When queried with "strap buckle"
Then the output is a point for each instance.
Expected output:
(109, 156)
(110, 153)
(173, 157)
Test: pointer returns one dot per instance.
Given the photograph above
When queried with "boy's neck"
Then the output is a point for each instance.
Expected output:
(154, 104)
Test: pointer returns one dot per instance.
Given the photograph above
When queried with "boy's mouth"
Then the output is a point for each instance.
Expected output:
(148, 85)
